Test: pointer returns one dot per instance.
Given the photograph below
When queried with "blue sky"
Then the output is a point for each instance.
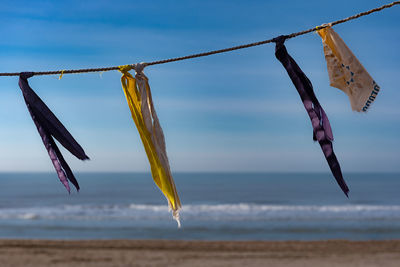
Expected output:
(231, 112)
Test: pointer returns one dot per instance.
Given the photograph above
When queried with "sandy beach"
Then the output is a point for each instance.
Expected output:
(198, 253)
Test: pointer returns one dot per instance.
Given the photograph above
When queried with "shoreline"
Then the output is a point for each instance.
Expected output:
(198, 253)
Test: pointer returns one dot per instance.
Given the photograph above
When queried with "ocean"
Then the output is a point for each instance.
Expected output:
(216, 206)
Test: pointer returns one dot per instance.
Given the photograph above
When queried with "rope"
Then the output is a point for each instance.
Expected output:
(292, 35)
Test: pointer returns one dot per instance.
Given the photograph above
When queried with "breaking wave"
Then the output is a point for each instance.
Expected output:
(219, 212)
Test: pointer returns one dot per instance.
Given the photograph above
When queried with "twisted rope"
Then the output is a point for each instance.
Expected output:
(213, 52)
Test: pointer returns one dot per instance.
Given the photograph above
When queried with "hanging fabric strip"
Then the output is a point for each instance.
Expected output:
(346, 72)
(322, 131)
(138, 94)
(48, 127)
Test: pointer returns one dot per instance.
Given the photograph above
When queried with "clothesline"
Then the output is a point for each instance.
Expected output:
(292, 35)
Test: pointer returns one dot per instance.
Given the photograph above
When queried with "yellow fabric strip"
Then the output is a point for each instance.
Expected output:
(327, 39)
(61, 75)
(138, 95)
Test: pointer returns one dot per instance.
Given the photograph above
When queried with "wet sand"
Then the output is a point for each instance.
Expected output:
(198, 253)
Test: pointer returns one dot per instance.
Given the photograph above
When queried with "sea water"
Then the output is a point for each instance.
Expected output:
(216, 206)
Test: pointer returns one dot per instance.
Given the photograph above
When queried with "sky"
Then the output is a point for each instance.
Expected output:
(235, 112)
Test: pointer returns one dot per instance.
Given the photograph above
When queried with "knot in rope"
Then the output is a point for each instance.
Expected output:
(125, 68)
(26, 75)
(138, 67)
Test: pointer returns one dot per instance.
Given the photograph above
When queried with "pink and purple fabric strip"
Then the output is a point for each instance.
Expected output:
(322, 131)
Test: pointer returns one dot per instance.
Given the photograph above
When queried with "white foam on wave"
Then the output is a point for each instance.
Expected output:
(28, 216)
(238, 212)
